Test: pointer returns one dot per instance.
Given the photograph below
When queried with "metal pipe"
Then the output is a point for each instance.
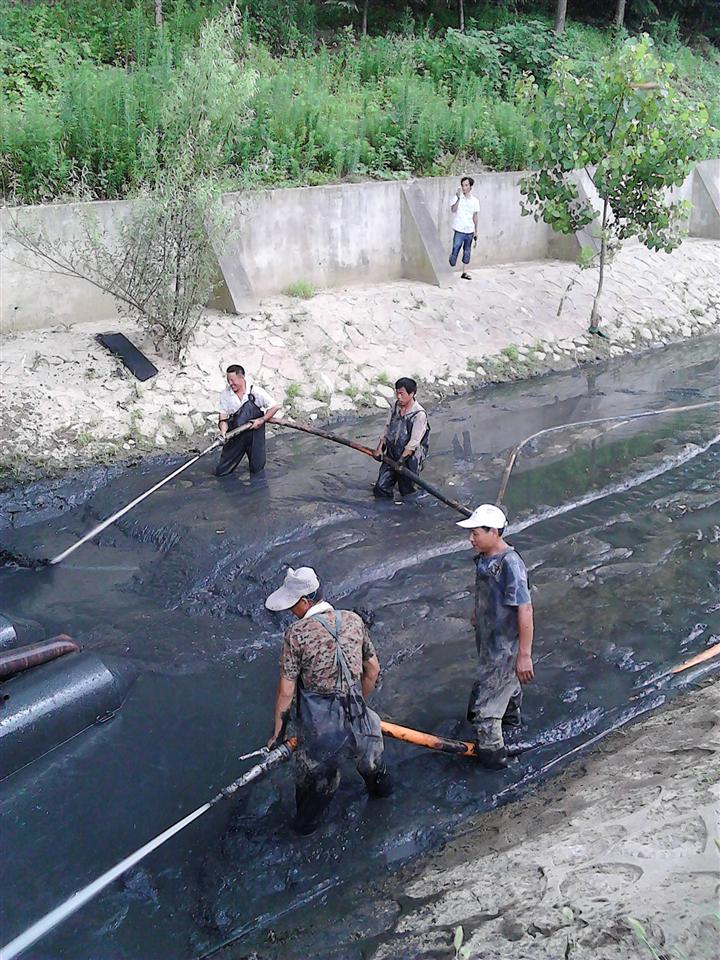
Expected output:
(133, 503)
(33, 654)
(81, 897)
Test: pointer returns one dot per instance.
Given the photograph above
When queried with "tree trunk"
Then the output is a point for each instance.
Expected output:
(364, 17)
(560, 15)
(461, 15)
(595, 312)
(159, 14)
(619, 13)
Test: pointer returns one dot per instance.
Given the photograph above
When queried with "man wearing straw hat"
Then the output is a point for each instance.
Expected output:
(503, 621)
(328, 658)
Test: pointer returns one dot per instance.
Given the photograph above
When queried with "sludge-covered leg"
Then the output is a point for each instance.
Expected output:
(385, 483)
(512, 716)
(489, 742)
(315, 786)
(369, 754)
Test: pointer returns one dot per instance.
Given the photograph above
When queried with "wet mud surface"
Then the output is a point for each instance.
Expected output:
(620, 529)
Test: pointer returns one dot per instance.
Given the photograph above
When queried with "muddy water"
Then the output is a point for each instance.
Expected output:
(625, 585)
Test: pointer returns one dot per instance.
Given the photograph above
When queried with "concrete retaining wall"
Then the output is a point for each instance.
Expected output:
(31, 295)
(327, 236)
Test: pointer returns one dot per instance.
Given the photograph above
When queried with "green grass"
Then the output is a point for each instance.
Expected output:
(293, 392)
(84, 86)
(302, 289)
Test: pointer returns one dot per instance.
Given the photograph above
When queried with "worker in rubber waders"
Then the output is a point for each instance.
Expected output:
(503, 621)
(328, 659)
(405, 440)
(240, 404)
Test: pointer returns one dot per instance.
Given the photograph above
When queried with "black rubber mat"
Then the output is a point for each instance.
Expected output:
(136, 362)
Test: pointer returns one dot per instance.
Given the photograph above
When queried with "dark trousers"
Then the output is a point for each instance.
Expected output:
(317, 783)
(387, 478)
(252, 443)
(463, 240)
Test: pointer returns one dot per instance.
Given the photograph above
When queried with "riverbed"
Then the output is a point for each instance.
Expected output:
(619, 525)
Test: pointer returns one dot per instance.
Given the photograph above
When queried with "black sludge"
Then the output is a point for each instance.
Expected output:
(625, 586)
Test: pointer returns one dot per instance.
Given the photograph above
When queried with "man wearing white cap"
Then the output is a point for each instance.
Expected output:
(503, 620)
(329, 659)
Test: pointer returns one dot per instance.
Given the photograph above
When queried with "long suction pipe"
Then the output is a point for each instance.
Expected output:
(81, 897)
(626, 418)
(133, 503)
(382, 458)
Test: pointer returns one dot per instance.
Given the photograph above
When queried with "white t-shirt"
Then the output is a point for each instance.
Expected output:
(229, 402)
(463, 219)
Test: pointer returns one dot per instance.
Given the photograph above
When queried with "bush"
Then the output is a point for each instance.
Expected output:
(90, 87)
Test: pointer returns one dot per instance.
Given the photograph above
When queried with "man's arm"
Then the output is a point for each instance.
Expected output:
(475, 221)
(523, 663)
(381, 441)
(268, 415)
(283, 701)
(371, 671)
(222, 423)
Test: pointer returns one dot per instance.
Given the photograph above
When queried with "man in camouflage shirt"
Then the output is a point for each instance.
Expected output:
(328, 659)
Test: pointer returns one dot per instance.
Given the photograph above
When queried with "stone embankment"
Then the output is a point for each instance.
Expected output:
(65, 401)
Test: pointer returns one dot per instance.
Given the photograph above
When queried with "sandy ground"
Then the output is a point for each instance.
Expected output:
(627, 835)
(64, 400)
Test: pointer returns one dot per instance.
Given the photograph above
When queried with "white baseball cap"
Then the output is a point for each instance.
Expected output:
(302, 582)
(486, 515)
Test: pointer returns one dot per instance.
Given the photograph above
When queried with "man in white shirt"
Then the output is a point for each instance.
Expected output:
(239, 404)
(465, 223)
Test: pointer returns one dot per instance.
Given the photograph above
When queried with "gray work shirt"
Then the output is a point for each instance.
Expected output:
(501, 586)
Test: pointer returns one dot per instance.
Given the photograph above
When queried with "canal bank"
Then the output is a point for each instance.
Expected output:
(621, 846)
(67, 402)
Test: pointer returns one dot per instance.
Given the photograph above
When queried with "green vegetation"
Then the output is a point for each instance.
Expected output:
(301, 288)
(629, 122)
(157, 262)
(294, 390)
(85, 88)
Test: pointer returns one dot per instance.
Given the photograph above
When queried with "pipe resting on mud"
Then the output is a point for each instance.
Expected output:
(626, 418)
(81, 897)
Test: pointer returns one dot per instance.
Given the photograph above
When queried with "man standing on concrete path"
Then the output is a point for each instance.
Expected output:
(329, 658)
(465, 223)
(503, 621)
(239, 404)
(405, 439)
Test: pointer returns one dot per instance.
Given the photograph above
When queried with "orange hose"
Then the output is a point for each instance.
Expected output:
(460, 748)
(700, 658)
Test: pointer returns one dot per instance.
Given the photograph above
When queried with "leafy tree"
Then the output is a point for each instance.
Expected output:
(634, 133)
(560, 15)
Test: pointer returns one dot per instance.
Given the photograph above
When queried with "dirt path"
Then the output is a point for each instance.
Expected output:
(628, 832)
